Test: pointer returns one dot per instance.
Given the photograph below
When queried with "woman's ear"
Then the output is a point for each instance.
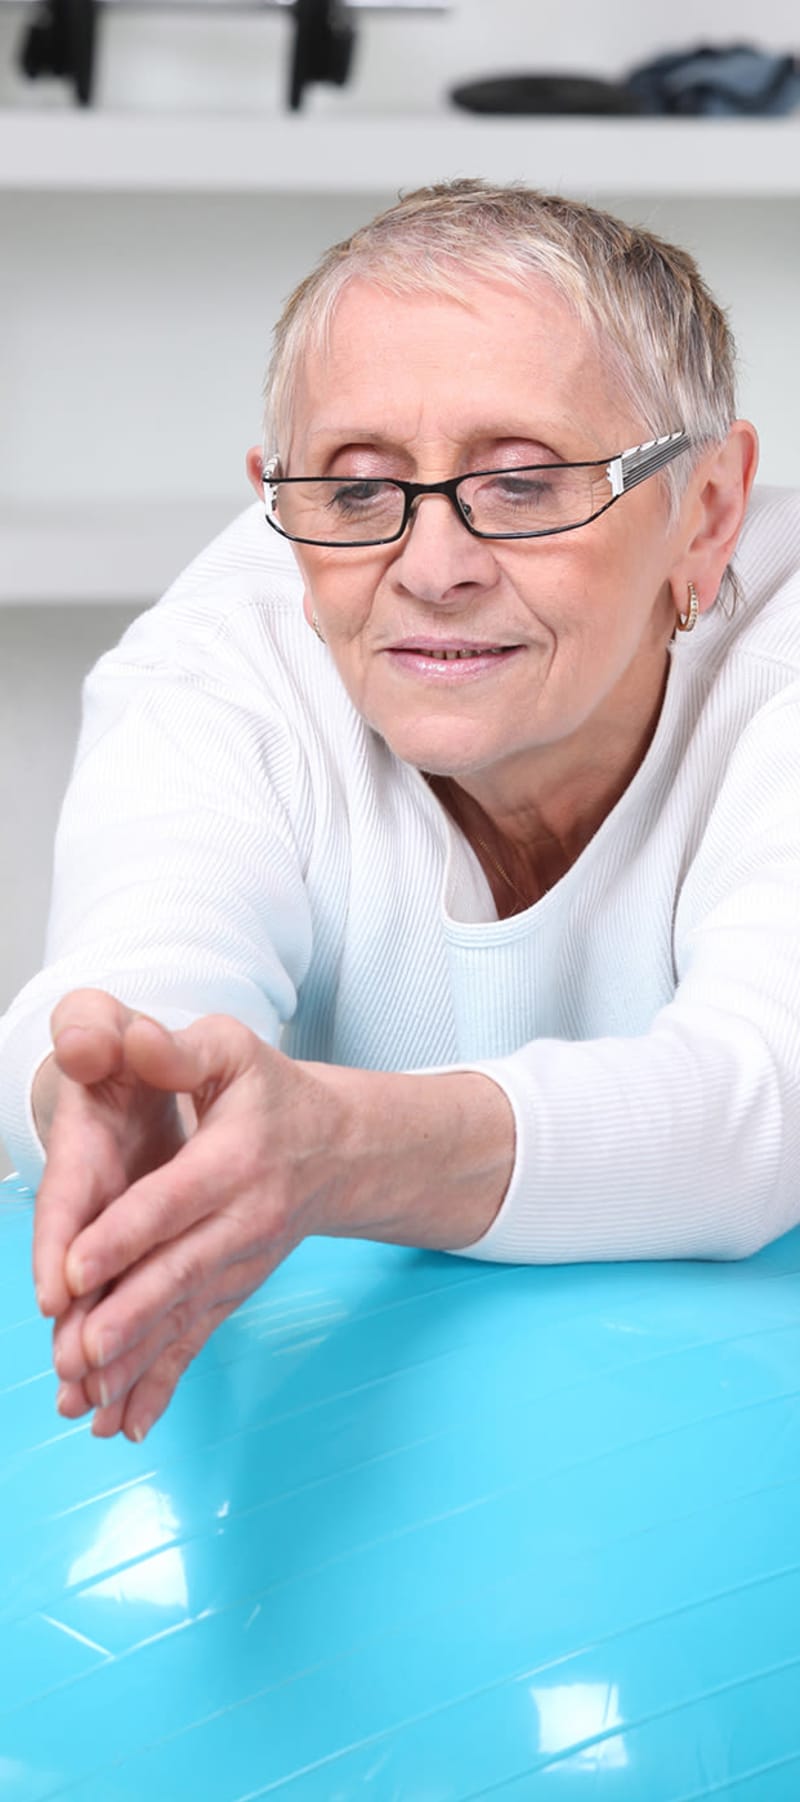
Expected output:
(715, 508)
(254, 463)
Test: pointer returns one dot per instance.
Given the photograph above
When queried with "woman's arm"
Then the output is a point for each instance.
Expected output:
(683, 1142)
(177, 881)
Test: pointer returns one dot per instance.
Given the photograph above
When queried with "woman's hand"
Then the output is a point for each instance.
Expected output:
(102, 1129)
(153, 1264)
(146, 1239)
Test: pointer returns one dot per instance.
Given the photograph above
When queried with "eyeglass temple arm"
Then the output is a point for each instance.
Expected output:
(643, 460)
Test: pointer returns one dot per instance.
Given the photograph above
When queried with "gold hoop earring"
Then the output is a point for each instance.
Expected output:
(686, 622)
(315, 625)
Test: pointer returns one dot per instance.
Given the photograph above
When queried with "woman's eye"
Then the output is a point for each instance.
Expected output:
(525, 490)
(355, 497)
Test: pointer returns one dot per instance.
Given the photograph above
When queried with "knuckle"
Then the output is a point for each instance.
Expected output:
(155, 1387)
(187, 1273)
(181, 1321)
(238, 1040)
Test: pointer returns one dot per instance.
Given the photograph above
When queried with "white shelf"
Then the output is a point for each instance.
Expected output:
(112, 552)
(49, 150)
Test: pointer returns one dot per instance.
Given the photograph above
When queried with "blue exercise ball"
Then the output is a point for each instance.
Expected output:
(417, 1529)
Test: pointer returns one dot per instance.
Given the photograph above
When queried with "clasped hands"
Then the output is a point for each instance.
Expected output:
(154, 1220)
(183, 1167)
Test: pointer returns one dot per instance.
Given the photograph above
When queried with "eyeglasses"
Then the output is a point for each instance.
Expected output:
(532, 501)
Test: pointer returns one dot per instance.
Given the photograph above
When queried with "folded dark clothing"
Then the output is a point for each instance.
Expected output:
(714, 80)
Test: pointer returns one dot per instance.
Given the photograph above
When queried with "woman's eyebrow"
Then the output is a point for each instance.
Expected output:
(331, 438)
(334, 436)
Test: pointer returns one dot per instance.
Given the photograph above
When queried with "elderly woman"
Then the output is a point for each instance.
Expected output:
(471, 780)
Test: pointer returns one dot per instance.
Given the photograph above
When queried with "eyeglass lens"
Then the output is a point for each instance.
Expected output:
(351, 511)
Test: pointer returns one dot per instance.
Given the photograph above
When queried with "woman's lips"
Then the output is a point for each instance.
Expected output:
(450, 660)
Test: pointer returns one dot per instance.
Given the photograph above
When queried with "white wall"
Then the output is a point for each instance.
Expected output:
(134, 329)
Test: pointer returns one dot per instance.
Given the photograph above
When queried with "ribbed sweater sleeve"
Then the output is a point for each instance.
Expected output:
(178, 882)
(685, 1140)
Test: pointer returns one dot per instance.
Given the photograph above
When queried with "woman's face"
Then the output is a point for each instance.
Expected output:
(423, 388)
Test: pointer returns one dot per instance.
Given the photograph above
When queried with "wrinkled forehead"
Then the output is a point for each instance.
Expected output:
(494, 358)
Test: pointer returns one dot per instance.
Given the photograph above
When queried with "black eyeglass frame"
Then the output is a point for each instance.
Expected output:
(624, 471)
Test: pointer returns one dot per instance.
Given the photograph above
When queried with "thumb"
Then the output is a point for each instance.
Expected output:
(198, 1060)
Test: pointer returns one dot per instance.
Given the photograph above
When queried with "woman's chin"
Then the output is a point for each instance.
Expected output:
(451, 754)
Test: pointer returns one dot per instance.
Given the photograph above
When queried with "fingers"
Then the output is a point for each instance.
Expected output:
(87, 1029)
(69, 1358)
(140, 1250)
(108, 1421)
(204, 1059)
(126, 1331)
(72, 1401)
(151, 1395)
(108, 1388)
(154, 1210)
(200, 1060)
(163, 1360)
(108, 1126)
(72, 1192)
(152, 1369)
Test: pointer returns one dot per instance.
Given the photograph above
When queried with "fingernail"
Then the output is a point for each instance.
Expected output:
(66, 1030)
(86, 1276)
(105, 1393)
(61, 1396)
(139, 1433)
(107, 1347)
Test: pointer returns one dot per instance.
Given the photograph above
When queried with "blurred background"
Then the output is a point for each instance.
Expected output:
(148, 240)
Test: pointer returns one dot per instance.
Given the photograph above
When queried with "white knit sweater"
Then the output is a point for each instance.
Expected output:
(235, 839)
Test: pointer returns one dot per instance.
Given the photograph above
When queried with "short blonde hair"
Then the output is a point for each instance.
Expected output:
(669, 343)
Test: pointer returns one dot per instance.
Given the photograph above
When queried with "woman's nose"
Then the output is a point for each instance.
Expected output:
(438, 557)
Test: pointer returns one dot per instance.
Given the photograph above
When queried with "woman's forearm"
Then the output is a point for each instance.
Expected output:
(429, 1157)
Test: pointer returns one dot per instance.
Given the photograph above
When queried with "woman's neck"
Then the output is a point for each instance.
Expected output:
(518, 872)
(528, 833)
